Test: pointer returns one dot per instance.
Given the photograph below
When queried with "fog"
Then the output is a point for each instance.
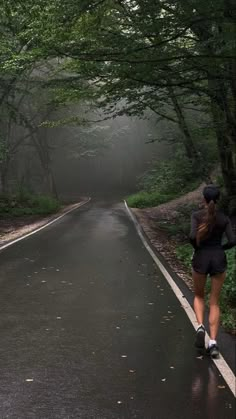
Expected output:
(115, 167)
(102, 158)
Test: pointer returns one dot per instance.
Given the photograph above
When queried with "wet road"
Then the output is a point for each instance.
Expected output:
(90, 329)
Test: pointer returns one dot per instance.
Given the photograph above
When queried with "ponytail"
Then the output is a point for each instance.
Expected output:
(208, 222)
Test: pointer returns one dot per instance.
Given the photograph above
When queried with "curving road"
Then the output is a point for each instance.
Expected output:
(90, 328)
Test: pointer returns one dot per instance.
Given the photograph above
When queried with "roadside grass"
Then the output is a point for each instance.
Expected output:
(24, 203)
(164, 182)
(146, 199)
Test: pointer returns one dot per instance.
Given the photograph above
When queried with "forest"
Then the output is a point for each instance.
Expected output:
(82, 64)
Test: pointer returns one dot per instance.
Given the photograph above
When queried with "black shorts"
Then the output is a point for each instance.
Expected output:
(209, 261)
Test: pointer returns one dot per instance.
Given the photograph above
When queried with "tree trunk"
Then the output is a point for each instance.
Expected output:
(51, 184)
(188, 142)
(4, 172)
(230, 27)
(4, 181)
(226, 143)
(41, 146)
(221, 103)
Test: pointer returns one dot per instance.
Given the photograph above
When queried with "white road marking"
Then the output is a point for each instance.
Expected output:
(220, 363)
(44, 226)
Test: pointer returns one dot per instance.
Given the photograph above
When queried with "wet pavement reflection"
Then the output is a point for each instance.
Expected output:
(90, 329)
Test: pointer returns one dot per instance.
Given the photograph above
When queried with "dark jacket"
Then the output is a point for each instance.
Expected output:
(214, 238)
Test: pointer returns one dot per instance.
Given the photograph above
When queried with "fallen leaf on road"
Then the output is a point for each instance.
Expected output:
(29, 380)
(119, 402)
(132, 371)
(58, 318)
(172, 368)
(123, 356)
(163, 379)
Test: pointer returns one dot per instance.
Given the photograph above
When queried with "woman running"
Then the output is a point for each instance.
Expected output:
(207, 229)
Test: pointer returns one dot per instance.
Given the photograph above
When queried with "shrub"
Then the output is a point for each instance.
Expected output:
(24, 203)
(178, 230)
(144, 199)
(44, 204)
(165, 181)
(175, 177)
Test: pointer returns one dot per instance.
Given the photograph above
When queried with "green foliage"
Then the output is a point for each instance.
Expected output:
(165, 181)
(230, 284)
(145, 199)
(25, 203)
(184, 253)
(174, 176)
(44, 204)
(228, 318)
(142, 53)
(180, 229)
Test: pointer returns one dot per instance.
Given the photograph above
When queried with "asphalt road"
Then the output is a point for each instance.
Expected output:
(90, 328)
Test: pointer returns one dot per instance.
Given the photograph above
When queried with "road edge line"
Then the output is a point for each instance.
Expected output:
(5, 246)
(220, 363)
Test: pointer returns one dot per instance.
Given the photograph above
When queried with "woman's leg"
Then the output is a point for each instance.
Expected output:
(199, 287)
(214, 316)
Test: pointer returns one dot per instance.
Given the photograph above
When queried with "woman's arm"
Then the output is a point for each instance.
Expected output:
(230, 236)
(193, 231)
